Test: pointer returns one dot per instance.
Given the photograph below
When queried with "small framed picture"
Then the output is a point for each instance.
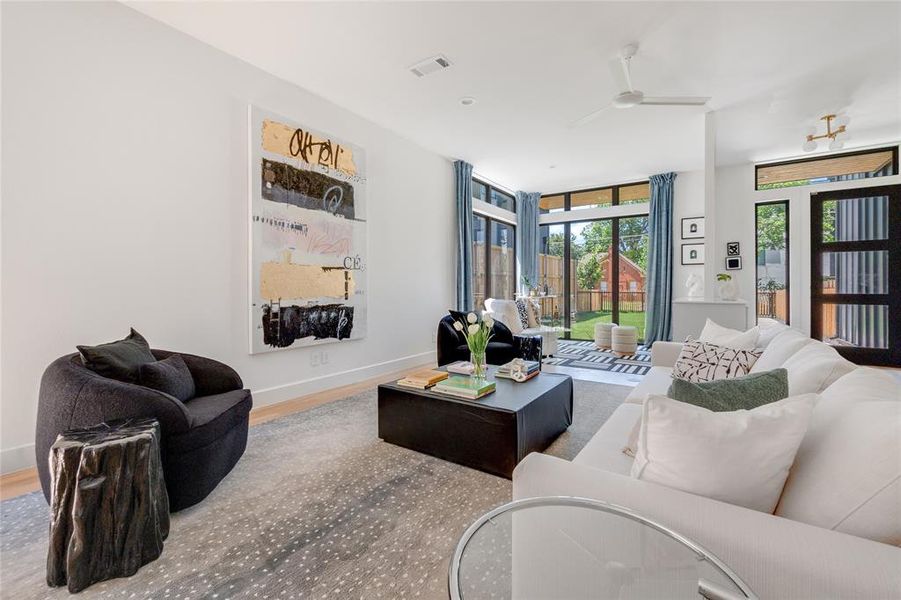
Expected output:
(692, 254)
(692, 228)
(732, 249)
(733, 263)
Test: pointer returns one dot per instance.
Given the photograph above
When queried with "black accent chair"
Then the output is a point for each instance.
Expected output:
(502, 348)
(202, 438)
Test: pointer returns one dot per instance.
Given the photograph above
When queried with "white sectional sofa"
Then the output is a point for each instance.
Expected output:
(836, 530)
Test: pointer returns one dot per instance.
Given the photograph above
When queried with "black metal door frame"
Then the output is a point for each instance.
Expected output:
(890, 356)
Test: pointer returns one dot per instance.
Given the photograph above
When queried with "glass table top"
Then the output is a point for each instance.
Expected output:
(575, 548)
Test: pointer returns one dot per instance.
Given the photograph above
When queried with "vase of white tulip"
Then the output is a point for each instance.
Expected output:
(477, 333)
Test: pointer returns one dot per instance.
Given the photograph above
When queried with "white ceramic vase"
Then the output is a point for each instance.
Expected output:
(728, 290)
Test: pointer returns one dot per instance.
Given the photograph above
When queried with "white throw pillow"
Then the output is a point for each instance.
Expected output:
(702, 361)
(505, 312)
(815, 367)
(847, 473)
(740, 457)
(731, 338)
(769, 329)
(779, 350)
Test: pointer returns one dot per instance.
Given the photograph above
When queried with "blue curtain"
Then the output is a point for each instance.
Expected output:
(463, 181)
(660, 260)
(527, 234)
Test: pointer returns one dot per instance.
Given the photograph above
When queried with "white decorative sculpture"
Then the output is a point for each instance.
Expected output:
(695, 285)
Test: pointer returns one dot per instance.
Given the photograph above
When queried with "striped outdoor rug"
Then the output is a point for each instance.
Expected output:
(585, 355)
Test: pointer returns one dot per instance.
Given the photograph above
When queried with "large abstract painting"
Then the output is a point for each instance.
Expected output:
(307, 236)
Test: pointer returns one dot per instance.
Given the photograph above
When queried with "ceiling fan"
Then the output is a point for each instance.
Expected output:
(620, 68)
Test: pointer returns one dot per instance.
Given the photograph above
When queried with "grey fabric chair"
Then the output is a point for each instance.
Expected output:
(202, 439)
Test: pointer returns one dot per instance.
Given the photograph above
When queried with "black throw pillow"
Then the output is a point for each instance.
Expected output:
(118, 360)
(170, 376)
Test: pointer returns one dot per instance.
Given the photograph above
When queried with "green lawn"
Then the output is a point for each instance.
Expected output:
(583, 325)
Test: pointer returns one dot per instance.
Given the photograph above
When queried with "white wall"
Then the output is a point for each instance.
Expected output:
(688, 201)
(736, 199)
(125, 204)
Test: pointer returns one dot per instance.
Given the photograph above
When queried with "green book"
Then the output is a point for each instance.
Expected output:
(465, 385)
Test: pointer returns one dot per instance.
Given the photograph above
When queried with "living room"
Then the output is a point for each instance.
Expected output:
(655, 244)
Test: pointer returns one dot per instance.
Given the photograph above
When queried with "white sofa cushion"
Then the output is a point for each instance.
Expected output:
(505, 311)
(656, 381)
(847, 474)
(769, 329)
(815, 367)
(730, 338)
(780, 349)
(604, 450)
(741, 457)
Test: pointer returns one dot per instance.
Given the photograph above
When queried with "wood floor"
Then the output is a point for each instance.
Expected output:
(26, 481)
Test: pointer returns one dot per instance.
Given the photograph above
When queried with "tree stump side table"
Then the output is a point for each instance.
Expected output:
(108, 503)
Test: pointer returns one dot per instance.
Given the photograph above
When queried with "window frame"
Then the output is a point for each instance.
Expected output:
(490, 219)
(757, 167)
(788, 304)
(567, 202)
(489, 188)
(890, 356)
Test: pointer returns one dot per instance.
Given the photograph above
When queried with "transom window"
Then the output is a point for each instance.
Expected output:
(841, 167)
(493, 246)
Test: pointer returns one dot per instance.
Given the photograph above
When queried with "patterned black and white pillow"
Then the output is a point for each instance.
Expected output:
(522, 309)
(702, 361)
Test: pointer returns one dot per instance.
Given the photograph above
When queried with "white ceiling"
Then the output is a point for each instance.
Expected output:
(534, 67)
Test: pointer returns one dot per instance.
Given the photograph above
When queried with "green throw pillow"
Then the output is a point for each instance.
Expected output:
(739, 393)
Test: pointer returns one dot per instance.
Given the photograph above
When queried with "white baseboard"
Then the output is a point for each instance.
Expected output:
(16, 459)
(289, 391)
(22, 457)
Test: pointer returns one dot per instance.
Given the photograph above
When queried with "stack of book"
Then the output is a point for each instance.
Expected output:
(422, 380)
(464, 387)
(530, 368)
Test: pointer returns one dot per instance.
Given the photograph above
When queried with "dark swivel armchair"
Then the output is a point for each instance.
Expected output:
(503, 347)
(202, 438)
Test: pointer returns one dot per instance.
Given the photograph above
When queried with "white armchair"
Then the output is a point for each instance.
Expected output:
(505, 312)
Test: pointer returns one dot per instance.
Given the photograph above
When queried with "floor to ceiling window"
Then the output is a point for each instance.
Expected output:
(493, 244)
(771, 251)
(595, 269)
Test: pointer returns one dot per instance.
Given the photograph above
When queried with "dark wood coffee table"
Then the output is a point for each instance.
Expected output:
(492, 433)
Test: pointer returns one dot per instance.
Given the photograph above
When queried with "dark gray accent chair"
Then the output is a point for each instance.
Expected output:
(503, 347)
(202, 438)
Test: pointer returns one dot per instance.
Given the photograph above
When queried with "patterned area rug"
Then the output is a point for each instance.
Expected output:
(318, 507)
(585, 355)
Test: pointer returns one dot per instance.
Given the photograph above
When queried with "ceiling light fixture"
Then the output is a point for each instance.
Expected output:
(467, 100)
(841, 124)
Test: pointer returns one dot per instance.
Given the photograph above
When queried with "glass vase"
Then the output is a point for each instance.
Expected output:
(479, 364)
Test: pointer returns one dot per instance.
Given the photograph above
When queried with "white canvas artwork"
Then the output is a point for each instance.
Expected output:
(308, 281)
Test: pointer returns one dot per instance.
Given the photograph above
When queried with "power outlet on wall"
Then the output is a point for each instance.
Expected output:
(318, 358)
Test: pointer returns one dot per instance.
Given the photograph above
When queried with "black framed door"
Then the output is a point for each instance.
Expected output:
(855, 284)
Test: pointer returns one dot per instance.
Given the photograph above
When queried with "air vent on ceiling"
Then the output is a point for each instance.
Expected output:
(430, 65)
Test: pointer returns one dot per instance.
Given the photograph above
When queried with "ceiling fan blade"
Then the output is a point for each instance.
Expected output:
(589, 117)
(675, 100)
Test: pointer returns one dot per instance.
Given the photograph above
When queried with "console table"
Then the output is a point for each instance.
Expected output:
(690, 314)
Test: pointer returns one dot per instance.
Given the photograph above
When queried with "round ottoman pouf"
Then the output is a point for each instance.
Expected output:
(624, 339)
(602, 335)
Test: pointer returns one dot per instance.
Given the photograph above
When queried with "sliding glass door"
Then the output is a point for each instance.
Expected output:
(596, 272)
